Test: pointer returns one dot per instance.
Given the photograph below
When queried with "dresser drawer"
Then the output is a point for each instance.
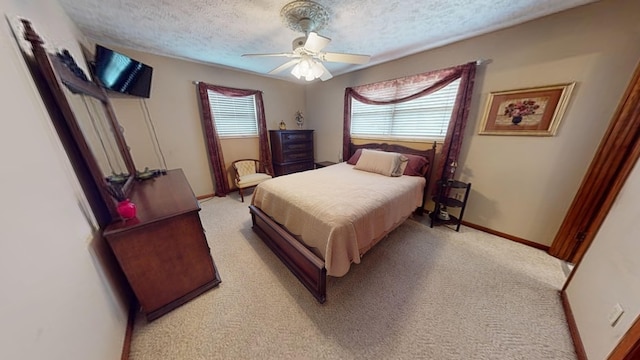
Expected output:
(296, 136)
(297, 147)
(297, 156)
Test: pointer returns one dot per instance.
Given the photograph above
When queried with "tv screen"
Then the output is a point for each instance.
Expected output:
(120, 73)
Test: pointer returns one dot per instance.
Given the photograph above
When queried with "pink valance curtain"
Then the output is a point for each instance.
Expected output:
(412, 87)
(214, 148)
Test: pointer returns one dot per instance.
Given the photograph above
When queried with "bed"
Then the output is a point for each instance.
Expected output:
(319, 222)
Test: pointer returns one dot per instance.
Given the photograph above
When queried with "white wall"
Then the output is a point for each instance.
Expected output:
(608, 274)
(521, 185)
(56, 300)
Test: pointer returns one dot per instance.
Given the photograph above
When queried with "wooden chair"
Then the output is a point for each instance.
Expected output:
(248, 174)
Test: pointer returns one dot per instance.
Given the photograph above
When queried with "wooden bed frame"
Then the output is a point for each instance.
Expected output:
(301, 261)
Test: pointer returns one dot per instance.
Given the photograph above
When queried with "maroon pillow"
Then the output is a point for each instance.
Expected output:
(354, 158)
(416, 166)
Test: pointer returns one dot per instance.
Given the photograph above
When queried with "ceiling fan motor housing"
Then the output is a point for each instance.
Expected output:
(304, 16)
(298, 43)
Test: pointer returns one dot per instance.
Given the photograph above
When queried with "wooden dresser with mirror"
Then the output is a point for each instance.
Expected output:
(163, 251)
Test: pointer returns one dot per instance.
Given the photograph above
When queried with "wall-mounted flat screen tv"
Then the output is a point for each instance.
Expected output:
(120, 73)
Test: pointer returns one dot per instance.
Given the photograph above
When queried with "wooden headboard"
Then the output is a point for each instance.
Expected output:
(429, 154)
(394, 148)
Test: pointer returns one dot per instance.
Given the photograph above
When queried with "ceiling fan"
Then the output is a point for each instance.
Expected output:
(307, 55)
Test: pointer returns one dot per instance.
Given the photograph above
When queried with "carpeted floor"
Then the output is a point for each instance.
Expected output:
(421, 293)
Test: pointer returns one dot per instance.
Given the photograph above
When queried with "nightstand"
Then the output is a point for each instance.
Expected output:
(451, 194)
(321, 164)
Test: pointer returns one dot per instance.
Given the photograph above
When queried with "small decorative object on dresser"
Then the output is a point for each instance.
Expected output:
(126, 209)
(282, 125)
(292, 151)
(299, 119)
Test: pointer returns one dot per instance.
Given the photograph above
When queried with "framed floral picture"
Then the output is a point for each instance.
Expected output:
(534, 111)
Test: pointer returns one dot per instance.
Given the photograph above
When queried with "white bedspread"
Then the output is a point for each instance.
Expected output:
(339, 211)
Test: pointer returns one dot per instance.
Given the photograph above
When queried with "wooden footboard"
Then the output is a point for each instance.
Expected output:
(303, 263)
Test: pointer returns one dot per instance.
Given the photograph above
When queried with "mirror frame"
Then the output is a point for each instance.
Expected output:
(51, 70)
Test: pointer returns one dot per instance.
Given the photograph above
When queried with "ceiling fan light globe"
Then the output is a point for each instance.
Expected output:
(316, 69)
(296, 71)
(305, 65)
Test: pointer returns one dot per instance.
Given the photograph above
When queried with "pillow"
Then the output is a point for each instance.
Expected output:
(354, 158)
(416, 165)
(403, 164)
(380, 162)
(356, 155)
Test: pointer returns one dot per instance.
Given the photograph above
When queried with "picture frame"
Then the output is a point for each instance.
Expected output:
(533, 111)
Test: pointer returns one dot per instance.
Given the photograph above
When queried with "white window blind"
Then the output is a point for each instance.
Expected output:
(234, 116)
(424, 118)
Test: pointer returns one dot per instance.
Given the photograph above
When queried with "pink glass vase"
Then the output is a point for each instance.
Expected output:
(127, 209)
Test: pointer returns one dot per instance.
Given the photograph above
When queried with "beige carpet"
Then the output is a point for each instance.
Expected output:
(421, 293)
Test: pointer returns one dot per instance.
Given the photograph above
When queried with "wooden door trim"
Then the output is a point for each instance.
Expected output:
(573, 327)
(616, 155)
(629, 346)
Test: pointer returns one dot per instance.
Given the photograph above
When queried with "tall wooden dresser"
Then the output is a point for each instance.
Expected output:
(163, 252)
(292, 150)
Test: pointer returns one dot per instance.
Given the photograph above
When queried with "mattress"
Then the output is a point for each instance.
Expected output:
(337, 211)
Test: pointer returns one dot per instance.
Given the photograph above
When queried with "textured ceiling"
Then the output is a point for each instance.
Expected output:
(220, 31)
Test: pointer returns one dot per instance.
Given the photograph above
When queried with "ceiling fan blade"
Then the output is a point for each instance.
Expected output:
(316, 42)
(277, 54)
(284, 66)
(345, 58)
(326, 75)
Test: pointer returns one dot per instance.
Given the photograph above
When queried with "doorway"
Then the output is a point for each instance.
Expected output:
(615, 158)
(617, 154)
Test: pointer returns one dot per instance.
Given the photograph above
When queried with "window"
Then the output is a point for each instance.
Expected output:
(424, 118)
(235, 116)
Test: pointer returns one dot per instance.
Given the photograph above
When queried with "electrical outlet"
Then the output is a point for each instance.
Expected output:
(615, 314)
